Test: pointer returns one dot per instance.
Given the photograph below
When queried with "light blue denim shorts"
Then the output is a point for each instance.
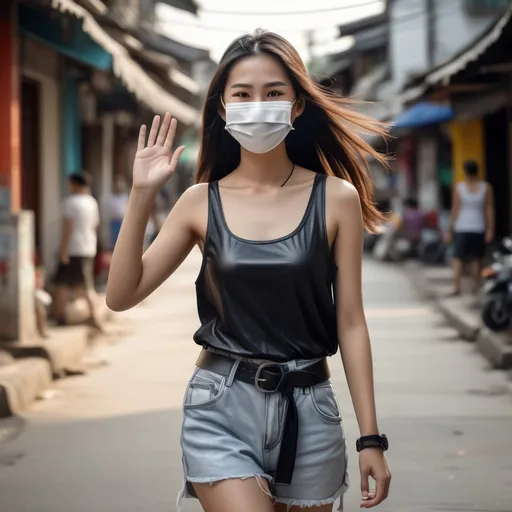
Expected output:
(233, 430)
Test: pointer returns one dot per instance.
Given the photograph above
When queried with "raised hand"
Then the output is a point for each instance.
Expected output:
(155, 162)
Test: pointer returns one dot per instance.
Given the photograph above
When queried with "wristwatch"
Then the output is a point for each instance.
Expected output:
(377, 441)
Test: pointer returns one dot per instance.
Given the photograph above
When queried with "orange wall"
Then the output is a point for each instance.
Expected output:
(9, 107)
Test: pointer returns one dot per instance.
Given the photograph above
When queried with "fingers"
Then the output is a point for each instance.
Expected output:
(365, 484)
(154, 131)
(380, 493)
(142, 138)
(171, 133)
(162, 134)
(175, 159)
(377, 496)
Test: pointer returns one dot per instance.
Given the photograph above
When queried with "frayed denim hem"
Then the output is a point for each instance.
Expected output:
(290, 502)
(184, 494)
(301, 503)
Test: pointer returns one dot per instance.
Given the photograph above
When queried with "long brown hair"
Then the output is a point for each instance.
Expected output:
(325, 139)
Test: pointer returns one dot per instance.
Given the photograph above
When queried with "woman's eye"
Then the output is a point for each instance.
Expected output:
(273, 94)
(241, 94)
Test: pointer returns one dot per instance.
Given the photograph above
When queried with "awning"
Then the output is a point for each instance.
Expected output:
(161, 43)
(165, 62)
(353, 28)
(144, 88)
(423, 114)
(184, 5)
(445, 73)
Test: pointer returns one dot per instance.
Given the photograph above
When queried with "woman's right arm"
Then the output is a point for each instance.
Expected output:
(133, 276)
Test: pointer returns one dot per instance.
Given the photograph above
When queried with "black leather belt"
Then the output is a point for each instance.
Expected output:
(270, 377)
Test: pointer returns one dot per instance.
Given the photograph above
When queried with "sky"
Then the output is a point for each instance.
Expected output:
(215, 32)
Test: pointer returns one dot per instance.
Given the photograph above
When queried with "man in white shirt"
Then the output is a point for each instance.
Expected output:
(78, 247)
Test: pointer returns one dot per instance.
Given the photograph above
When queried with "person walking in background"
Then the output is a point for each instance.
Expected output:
(78, 248)
(113, 208)
(471, 225)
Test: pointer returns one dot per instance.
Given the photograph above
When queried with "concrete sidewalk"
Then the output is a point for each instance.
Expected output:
(28, 369)
(463, 313)
(110, 441)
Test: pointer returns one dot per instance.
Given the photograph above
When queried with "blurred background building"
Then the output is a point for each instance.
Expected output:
(440, 74)
(78, 78)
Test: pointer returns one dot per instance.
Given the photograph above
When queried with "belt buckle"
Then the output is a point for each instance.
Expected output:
(258, 379)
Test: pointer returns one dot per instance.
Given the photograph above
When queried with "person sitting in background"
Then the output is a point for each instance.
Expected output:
(78, 248)
(413, 221)
(114, 208)
(471, 224)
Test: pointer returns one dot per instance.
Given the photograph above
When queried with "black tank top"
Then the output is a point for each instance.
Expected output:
(272, 299)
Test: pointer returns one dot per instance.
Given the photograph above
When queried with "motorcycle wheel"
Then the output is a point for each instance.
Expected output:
(495, 314)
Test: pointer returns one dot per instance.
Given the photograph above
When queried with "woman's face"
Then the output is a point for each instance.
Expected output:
(259, 78)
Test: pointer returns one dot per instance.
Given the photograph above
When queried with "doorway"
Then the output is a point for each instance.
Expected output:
(31, 152)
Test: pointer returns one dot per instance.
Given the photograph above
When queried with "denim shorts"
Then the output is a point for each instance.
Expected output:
(233, 430)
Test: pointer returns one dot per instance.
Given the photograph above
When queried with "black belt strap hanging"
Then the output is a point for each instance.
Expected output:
(267, 379)
(288, 452)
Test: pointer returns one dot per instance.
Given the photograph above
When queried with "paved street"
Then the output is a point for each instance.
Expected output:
(110, 441)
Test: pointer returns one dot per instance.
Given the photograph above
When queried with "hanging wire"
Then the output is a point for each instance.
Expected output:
(365, 3)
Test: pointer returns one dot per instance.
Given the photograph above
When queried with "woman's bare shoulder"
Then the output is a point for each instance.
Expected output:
(194, 196)
(341, 192)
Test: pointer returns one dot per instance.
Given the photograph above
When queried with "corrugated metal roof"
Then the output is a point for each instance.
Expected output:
(184, 5)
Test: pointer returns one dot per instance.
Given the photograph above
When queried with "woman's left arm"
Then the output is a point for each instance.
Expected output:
(354, 340)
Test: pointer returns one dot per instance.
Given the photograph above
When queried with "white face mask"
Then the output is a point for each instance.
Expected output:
(259, 126)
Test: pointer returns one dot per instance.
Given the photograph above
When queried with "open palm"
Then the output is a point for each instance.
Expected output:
(155, 162)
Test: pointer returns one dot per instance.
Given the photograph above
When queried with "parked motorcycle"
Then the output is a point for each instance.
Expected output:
(431, 247)
(497, 307)
(391, 244)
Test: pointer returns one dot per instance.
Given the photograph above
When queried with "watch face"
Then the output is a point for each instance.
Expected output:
(385, 443)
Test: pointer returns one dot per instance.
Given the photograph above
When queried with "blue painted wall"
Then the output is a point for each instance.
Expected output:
(71, 136)
(66, 38)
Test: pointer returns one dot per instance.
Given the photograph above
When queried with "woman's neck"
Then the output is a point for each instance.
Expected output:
(267, 169)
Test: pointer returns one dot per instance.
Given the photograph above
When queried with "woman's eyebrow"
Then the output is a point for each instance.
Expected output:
(241, 86)
(276, 83)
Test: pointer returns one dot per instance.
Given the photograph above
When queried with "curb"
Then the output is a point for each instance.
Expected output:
(464, 321)
(30, 368)
(424, 287)
(20, 384)
(495, 347)
(63, 350)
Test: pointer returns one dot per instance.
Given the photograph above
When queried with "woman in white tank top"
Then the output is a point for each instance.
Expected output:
(471, 225)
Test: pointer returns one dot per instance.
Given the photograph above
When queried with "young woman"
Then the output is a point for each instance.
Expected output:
(471, 225)
(282, 198)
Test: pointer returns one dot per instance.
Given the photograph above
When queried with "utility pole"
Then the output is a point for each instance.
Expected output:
(430, 11)
(310, 43)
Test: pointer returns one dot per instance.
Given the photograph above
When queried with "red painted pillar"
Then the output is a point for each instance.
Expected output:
(10, 150)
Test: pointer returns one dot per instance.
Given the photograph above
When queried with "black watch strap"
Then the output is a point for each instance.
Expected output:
(376, 441)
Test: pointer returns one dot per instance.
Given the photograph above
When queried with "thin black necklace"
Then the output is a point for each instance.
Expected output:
(289, 176)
